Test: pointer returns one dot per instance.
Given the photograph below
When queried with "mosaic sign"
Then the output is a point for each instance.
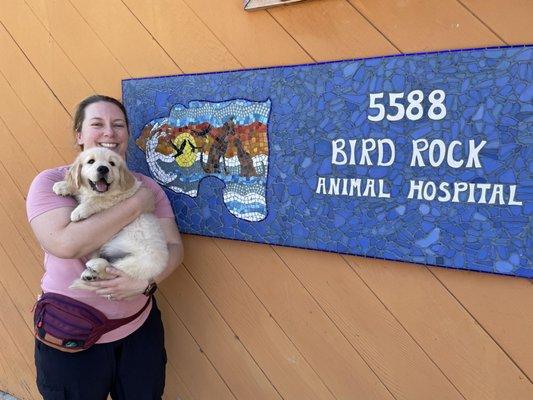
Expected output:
(423, 158)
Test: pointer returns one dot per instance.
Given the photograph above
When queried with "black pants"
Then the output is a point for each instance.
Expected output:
(132, 368)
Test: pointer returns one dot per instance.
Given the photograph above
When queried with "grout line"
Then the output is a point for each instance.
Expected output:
(482, 22)
(479, 323)
(204, 354)
(399, 323)
(333, 322)
(272, 317)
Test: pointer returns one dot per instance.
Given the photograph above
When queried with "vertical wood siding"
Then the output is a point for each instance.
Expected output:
(247, 321)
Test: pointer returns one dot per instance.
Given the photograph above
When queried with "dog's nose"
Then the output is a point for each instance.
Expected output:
(102, 169)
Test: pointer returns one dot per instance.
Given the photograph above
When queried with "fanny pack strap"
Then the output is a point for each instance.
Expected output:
(115, 323)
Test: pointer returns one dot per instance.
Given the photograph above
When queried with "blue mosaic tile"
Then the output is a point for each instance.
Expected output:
(289, 143)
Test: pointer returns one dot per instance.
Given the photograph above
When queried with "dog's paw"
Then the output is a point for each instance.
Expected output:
(97, 265)
(89, 275)
(78, 214)
(61, 188)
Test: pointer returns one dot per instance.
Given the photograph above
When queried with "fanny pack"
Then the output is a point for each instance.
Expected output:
(70, 325)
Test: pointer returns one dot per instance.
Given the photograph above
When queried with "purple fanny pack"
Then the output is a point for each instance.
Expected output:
(70, 325)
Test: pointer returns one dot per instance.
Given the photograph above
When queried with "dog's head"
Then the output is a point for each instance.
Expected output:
(99, 171)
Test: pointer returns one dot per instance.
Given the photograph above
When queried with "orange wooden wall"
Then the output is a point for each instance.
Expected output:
(247, 321)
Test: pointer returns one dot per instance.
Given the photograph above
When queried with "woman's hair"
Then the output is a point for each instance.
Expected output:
(79, 116)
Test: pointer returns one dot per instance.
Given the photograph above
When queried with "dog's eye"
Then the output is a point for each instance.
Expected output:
(112, 163)
(91, 161)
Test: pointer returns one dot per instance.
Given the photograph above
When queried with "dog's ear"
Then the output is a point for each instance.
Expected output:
(126, 180)
(73, 177)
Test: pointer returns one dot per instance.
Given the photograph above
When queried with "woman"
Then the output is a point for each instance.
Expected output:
(128, 362)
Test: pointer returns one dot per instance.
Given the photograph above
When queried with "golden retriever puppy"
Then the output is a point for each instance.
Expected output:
(99, 179)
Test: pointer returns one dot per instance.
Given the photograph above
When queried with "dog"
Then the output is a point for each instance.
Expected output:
(99, 179)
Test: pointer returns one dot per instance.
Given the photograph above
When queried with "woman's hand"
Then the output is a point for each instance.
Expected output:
(120, 286)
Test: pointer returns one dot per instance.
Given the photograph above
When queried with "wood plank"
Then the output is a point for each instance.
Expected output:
(20, 167)
(189, 362)
(500, 304)
(382, 341)
(332, 29)
(276, 355)
(197, 48)
(422, 25)
(11, 199)
(323, 345)
(145, 57)
(37, 146)
(89, 55)
(175, 388)
(27, 265)
(37, 97)
(21, 295)
(254, 39)
(511, 20)
(18, 371)
(216, 339)
(16, 321)
(45, 54)
(438, 322)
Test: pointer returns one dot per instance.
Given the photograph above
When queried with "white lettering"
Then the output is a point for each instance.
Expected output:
(390, 143)
(334, 184)
(368, 146)
(497, 192)
(473, 153)
(415, 186)
(321, 186)
(337, 147)
(416, 158)
(450, 160)
(445, 188)
(512, 192)
(442, 152)
(427, 194)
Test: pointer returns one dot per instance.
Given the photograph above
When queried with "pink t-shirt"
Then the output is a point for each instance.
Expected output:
(61, 272)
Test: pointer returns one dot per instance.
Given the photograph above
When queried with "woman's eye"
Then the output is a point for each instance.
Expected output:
(112, 163)
(91, 161)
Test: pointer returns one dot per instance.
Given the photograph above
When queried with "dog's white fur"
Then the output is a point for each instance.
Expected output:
(140, 248)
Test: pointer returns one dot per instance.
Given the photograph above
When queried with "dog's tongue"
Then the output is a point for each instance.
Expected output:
(101, 185)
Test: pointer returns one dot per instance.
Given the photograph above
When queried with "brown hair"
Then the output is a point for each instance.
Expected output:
(79, 116)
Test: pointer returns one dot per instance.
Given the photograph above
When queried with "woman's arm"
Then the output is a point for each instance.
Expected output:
(65, 239)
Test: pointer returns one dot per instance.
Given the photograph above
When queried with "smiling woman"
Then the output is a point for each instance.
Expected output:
(101, 123)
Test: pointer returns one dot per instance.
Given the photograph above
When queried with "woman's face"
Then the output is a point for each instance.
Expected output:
(104, 126)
